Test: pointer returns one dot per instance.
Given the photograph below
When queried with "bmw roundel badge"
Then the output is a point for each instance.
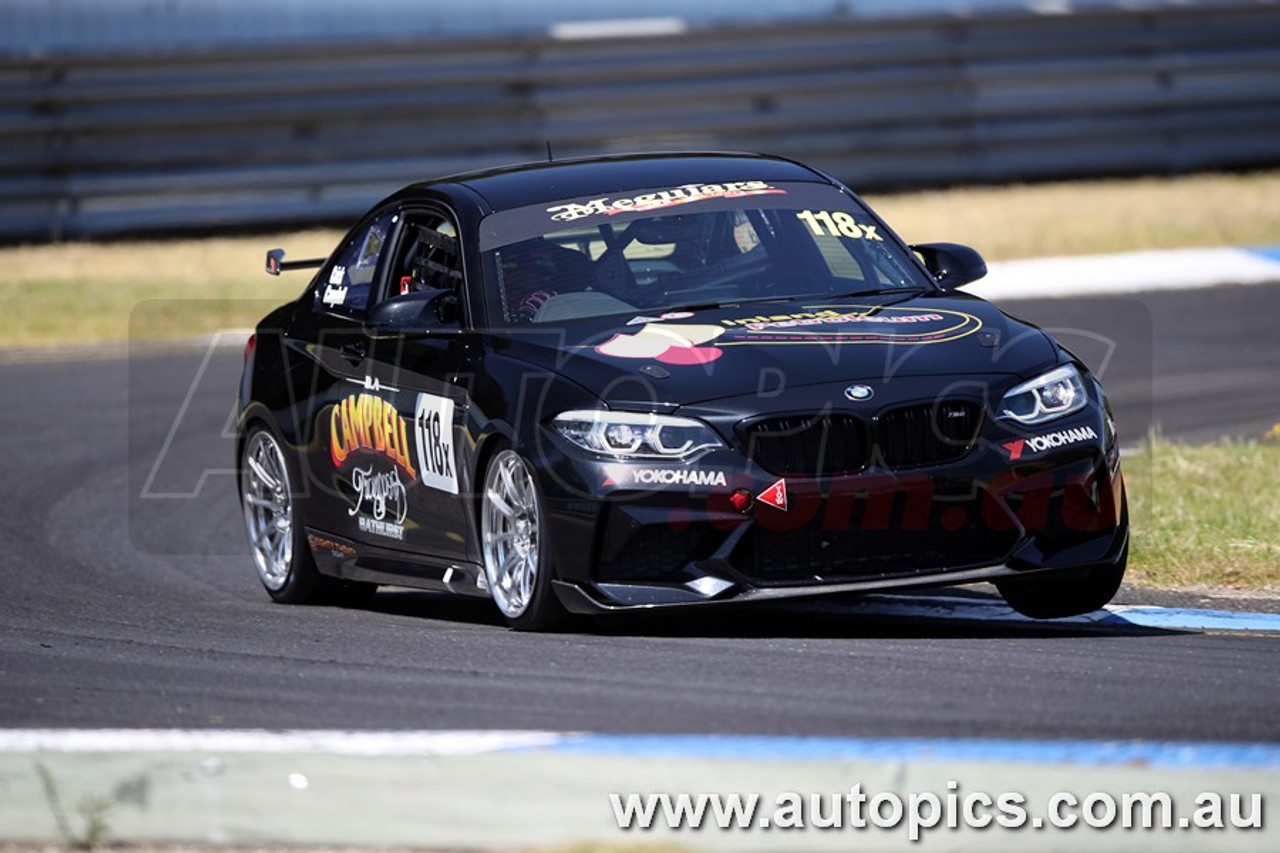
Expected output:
(858, 393)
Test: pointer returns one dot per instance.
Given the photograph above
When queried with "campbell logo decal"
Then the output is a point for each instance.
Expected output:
(700, 343)
(1041, 443)
(369, 424)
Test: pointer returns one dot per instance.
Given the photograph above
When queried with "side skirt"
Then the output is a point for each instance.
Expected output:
(341, 558)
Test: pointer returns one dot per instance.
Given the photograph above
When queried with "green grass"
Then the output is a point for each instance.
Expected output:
(86, 292)
(1206, 517)
(1093, 217)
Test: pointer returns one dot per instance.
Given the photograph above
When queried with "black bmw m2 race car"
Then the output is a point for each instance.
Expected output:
(659, 381)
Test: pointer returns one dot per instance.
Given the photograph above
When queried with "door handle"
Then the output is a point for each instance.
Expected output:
(353, 353)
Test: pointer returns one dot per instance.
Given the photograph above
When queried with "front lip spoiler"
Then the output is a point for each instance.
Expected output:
(577, 598)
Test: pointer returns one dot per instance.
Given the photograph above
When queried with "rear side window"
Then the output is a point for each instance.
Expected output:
(348, 281)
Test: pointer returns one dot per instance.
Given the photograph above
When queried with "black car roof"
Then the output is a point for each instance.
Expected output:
(533, 183)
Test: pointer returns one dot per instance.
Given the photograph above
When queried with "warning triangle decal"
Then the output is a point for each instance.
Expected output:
(775, 496)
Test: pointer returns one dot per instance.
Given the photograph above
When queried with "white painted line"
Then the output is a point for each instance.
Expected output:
(118, 350)
(327, 742)
(1128, 272)
(1195, 620)
(618, 28)
(230, 337)
(993, 610)
(762, 747)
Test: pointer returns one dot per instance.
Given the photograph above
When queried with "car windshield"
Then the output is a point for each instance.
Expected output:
(684, 247)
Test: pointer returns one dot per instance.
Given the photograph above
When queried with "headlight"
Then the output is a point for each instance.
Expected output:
(1052, 395)
(632, 435)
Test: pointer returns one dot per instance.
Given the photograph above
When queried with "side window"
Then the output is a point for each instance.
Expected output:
(346, 290)
(428, 258)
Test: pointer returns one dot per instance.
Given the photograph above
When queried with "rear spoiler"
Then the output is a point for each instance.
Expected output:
(276, 263)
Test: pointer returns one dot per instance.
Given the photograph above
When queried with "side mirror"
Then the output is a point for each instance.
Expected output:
(952, 265)
(418, 313)
(276, 263)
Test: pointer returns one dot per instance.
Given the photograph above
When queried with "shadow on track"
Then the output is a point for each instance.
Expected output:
(828, 618)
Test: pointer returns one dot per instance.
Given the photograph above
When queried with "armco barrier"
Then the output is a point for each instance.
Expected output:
(104, 144)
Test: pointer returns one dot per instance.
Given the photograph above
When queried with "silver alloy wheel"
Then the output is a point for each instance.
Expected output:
(268, 509)
(511, 529)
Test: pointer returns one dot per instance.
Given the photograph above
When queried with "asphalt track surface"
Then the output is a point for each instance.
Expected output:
(125, 611)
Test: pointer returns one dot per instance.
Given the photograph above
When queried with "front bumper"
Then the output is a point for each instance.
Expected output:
(1016, 504)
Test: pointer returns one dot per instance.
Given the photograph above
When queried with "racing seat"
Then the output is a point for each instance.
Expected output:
(537, 270)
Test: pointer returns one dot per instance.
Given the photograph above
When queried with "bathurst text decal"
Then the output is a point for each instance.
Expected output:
(433, 429)
(690, 343)
(380, 494)
(369, 424)
(657, 199)
(1041, 443)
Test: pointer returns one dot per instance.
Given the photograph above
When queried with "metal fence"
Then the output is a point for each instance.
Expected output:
(96, 145)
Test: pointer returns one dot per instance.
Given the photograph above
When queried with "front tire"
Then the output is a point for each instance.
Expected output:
(517, 561)
(1056, 598)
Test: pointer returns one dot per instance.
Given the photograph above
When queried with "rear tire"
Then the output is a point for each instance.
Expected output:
(277, 542)
(280, 553)
(1055, 598)
(517, 561)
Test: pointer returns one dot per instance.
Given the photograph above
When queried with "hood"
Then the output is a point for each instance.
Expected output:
(686, 357)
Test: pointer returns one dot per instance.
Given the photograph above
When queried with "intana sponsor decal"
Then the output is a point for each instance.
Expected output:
(1041, 443)
(702, 343)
